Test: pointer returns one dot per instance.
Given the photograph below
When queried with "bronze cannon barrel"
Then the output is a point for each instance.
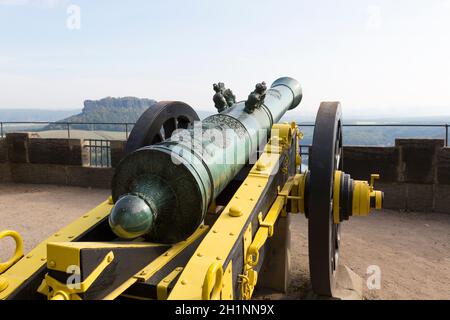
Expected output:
(163, 191)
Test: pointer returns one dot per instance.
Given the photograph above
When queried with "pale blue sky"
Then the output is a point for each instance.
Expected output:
(381, 57)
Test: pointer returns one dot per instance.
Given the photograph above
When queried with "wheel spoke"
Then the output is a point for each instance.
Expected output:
(158, 123)
(183, 123)
(169, 127)
(157, 139)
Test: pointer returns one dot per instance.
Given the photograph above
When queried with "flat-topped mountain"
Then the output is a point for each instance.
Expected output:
(131, 104)
(121, 110)
(108, 110)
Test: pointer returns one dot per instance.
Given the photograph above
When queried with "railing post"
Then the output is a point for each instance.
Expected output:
(90, 152)
(446, 135)
(1, 129)
(126, 131)
(68, 130)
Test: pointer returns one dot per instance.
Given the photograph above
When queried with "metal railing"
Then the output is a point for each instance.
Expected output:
(67, 127)
(39, 126)
(445, 127)
(99, 152)
(100, 148)
(305, 148)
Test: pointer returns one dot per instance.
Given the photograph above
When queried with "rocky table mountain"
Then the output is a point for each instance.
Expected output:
(107, 110)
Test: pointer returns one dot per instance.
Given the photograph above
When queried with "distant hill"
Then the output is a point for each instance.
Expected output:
(129, 109)
(28, 115)
(380, 136)
(110, 110)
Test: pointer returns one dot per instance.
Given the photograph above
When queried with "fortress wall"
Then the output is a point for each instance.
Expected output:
(3, 151)
(5, 172)
(76, 176)
(51, 161)
(17, 147)
(360, 162)
(443, 166)
(117, 152)
(43, 151)
(415, 173)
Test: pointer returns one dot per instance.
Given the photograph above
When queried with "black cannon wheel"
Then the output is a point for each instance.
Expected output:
(323, 233)
(158, 123)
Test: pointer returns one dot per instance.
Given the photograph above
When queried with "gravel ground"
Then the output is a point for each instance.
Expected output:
(412, 250)
(38, 211)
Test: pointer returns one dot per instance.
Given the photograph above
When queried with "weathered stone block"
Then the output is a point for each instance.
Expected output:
(89, 177)
(61, 175)
(39, 173)
(395, 195)
(420, 197)
(17, 147)
(5, 173)
(443, 166)
(55, 151)
(418, 159)
(29, 173)
(117, 152)
(442, 199)
(56, 174)
(3, 150)
(361, 162)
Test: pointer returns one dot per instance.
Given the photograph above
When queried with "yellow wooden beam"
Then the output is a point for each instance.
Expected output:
(26, 267)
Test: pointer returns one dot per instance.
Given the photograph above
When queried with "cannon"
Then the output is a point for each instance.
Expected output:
(201, 209)
(149, 186)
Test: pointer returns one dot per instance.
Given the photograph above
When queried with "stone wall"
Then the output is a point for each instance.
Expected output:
(3, 151)
(53, 161)
(76, 176)
(117, 152)
(43, 151)
(5, 172)
(415, 173)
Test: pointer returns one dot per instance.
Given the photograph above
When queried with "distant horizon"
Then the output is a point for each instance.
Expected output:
(380, 58)
(211, 110)
(308, 111)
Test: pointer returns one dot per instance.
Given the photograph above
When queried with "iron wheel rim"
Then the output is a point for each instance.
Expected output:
(159, 122)
(323, 234)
